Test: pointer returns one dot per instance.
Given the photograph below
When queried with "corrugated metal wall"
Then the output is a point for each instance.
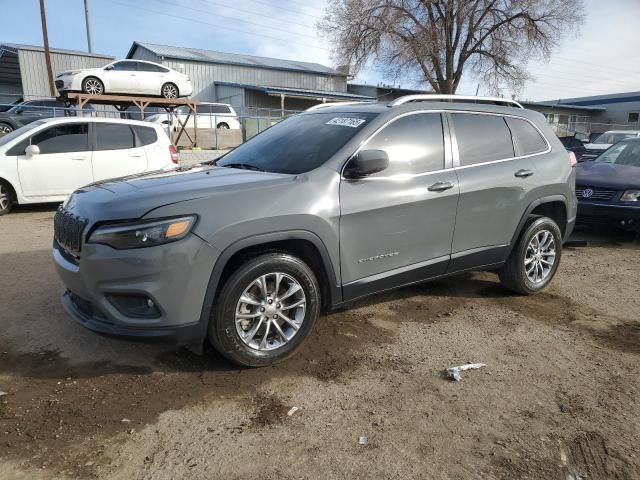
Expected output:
(203, 75)
(234, 96)
(33, 69)
(142, 53)
(10, 92)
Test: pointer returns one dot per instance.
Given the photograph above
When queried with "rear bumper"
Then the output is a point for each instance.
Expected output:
(605, 214)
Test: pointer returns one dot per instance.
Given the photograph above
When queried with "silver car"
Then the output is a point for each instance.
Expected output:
(319, 210)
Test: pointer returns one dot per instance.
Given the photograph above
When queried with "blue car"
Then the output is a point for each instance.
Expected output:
(608, 188)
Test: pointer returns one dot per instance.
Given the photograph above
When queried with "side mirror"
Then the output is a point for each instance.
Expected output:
(31, 151)
(366, 162)
(108, 67)
(18, 111)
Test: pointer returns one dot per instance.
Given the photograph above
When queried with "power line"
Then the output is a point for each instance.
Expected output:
(261, 25)
(222, 27)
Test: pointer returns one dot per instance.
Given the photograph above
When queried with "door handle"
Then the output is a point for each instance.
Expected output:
(440, 186)
(524, 173)
(78, 158)
(135, 155)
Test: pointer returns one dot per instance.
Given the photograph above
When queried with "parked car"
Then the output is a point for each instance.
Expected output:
(321, 209)
(608, 188)
(32, 110)
(604, 141)
(572, 144)
(9, 104)
(50, 158)
(131, 77)
(210, 115)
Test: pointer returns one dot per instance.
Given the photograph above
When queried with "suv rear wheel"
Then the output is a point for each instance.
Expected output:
(534, 260)
(265, 310)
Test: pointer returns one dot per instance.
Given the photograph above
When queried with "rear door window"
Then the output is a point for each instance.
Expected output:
(114, 136)
(527, 137)
(69, 138)
(414, 144)
(482, 138)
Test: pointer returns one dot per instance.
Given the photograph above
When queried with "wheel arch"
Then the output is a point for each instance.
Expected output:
(301, 243)
(552, 206)
(13, 189)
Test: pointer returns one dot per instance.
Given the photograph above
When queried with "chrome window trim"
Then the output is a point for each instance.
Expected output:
(456, 152)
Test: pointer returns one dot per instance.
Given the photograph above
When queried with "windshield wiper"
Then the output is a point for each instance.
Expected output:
(244, 166)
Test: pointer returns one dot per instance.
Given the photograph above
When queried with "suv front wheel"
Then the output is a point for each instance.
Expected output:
(535, 258)
(265, 310)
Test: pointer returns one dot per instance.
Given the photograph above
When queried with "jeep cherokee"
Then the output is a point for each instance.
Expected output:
(326, 207)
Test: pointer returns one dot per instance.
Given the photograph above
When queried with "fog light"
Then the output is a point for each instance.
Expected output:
(135, 306)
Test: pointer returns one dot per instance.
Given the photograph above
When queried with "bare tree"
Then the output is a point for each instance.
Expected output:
(439, 40)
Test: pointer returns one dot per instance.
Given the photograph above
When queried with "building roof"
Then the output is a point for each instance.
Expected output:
(600, 99)
(210, 56)
(563, 106)
(14, 48)
(300, 92)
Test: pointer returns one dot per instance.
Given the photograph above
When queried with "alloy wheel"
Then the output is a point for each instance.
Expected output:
(540, 256)
(4, 128)
(4, 197)
(270, 311)
(93, 86)
(169, 91)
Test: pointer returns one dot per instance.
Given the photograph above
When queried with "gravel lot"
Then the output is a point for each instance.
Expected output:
(557, 400)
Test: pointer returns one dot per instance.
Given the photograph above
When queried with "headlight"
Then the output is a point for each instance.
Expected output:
(143, 234)
(630, 196)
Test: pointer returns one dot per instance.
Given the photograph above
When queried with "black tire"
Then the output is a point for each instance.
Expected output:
(170, 91)
(223, 333)
(7, 197)
(93, 86)
(223, 125)
(513, 275)
(5, 128)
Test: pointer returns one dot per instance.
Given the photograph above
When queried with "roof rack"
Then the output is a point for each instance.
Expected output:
(505, 102)
(331, 104)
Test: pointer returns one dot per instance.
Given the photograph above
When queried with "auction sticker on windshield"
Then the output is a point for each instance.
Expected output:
(346, 122)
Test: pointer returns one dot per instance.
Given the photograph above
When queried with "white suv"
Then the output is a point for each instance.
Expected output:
(48, 159)
(210, 115)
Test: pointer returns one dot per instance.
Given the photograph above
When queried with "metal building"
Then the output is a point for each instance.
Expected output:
(23, 69)
(252, 85)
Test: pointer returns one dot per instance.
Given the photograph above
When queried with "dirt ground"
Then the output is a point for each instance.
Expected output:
(558, 398)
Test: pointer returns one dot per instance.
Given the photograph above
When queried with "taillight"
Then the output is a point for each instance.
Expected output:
(173, 151)
(572, 159)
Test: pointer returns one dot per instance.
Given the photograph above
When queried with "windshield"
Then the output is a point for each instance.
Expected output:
(611, 138)
(16, 133)
(298, 144)
(624, 153)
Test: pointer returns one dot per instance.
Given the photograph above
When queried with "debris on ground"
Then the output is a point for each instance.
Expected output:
(363, 440)
(292, 411)
(125, 420)
(455, 373)
(2, 394)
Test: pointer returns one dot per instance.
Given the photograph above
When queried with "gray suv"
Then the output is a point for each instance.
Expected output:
(322, 209)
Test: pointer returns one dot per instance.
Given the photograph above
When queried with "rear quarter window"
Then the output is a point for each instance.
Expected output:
(482, 138)
(114, 136)
(146, 135)
(528, 138)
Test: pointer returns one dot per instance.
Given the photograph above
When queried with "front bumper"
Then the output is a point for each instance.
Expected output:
(608, 214)
(174, 276)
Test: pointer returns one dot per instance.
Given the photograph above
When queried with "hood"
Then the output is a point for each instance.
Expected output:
(597, 146)
(134, 196)
(609, 176)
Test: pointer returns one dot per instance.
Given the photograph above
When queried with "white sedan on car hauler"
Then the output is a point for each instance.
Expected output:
(48, 159)
(132, 77)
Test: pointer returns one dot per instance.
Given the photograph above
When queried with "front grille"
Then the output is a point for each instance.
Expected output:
(59, 84)
(586, 193)
(68, 229)
(590, 154)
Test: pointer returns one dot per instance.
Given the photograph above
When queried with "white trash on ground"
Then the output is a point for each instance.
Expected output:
(455, 373)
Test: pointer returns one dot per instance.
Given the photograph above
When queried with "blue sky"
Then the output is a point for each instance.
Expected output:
(602, 57)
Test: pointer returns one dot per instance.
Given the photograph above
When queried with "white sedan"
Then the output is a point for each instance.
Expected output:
(48, 159)
(133, 77)
(210, 115)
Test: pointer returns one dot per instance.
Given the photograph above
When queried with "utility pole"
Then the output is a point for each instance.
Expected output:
(86, 21)
(47, 53)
